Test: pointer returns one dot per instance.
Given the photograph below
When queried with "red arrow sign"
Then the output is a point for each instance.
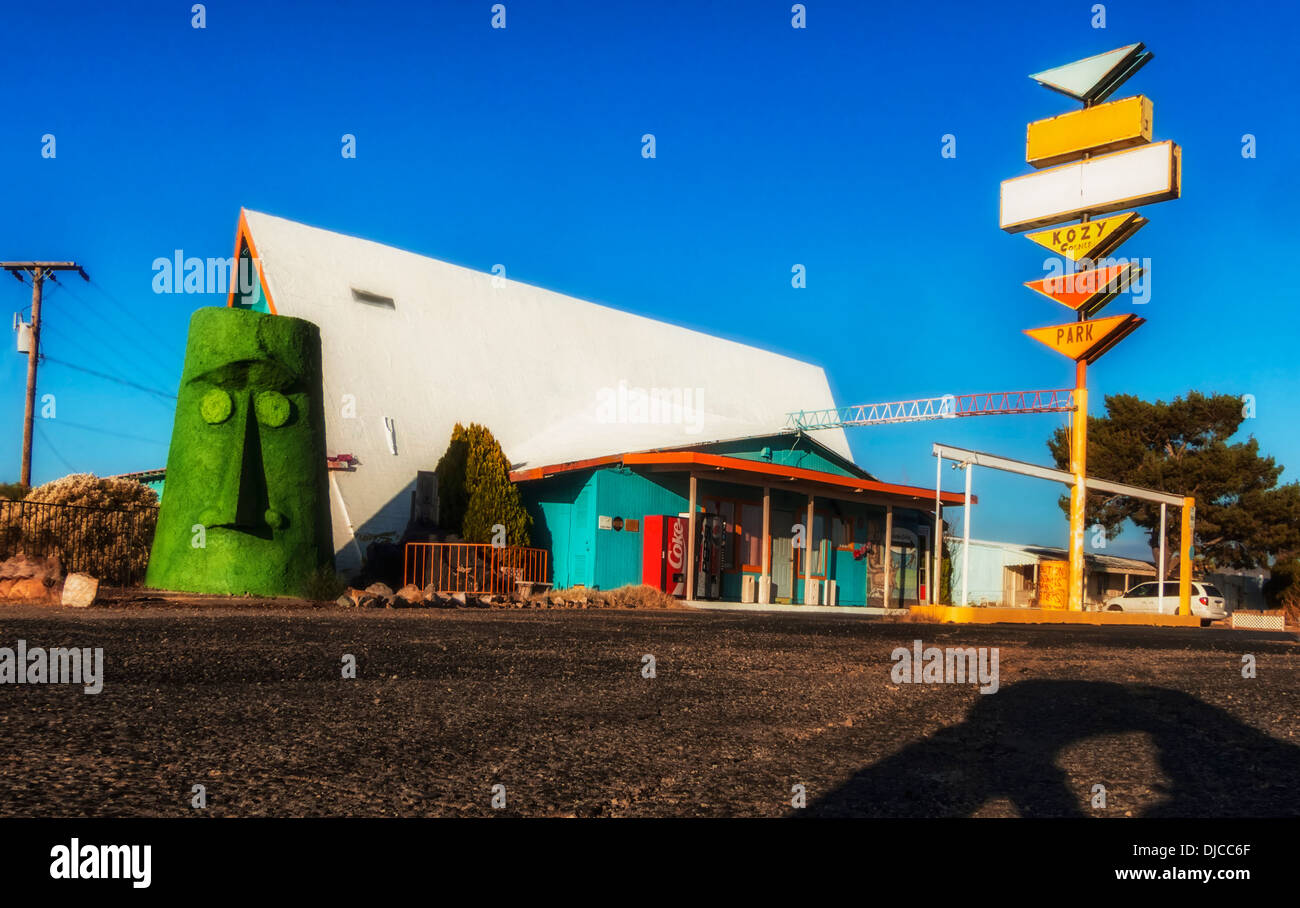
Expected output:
(1087, 291)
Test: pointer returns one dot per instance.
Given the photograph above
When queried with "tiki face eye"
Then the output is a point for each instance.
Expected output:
(272, 408)
(216, 406)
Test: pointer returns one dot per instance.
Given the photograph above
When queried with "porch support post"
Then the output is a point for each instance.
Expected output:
(807, 552)
(889, 554)
(765, 578)
(938, 534)
(965, 542)
(690, 543)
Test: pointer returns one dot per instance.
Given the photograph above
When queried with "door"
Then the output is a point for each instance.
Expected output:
(904, 565)
(581, 530)
(782, 522)
(1142, 598)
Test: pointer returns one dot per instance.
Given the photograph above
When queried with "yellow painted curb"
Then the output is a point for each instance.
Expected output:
(957, 614)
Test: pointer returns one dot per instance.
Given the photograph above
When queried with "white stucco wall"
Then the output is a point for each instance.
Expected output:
(532, 365)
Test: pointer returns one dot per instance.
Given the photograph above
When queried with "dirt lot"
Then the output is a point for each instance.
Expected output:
(552, 705)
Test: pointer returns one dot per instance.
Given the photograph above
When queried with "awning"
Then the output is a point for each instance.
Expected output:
(751, 472)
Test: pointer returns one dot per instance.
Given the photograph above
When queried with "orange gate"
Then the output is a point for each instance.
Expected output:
(471, 567)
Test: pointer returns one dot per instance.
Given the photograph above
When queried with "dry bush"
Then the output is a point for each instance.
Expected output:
(104, 527)
(638, 596)
(1290, 602)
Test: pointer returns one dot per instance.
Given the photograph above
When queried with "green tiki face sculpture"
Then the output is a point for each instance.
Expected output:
(247, 504)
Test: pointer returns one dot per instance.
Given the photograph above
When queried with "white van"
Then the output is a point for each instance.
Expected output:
(1207, 601)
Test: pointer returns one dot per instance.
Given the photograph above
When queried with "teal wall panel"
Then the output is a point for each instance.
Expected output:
(785, 450)
(623, 493)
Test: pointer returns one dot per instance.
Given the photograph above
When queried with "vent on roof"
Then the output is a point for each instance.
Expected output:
(373, 299)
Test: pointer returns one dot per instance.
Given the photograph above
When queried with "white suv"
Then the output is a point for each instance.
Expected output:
(1207, 601)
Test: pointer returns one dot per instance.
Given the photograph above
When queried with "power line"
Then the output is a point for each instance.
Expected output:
(108, 377)
(129, 347)
(53, 450)
(77, 425)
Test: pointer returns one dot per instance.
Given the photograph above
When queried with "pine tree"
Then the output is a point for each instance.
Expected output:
(475, 491)
(1244, 519)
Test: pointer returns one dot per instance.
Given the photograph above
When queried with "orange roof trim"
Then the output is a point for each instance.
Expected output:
(244, 238)
(719, 461)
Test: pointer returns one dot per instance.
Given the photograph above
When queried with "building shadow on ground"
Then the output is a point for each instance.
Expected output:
(1208, 763)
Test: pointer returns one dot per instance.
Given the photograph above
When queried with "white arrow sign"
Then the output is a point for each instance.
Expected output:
(1095, 78)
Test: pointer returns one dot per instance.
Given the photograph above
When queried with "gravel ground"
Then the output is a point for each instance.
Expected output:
(446, 704)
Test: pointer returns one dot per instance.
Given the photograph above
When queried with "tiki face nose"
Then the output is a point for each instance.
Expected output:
(242, 502)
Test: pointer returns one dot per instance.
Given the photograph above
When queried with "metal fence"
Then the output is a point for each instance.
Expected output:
(110, 544)
(474, 568)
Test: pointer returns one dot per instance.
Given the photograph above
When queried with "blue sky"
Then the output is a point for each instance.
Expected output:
(775, 146)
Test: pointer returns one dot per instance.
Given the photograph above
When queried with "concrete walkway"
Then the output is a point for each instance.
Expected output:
(852, 610)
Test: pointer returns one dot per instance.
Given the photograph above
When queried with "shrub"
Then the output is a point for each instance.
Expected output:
(474, 489)
(104, 525)
(324, 585)
(13, 491)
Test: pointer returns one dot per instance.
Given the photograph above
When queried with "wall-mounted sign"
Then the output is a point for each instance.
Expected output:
(605, 523)
(618, 524)
(1093, 130)
(1087, 341)
(1087, 291)
(1100, 185)
(1092, 239)
(1095, 78)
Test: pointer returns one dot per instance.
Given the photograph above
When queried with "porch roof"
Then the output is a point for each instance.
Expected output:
(750, 472)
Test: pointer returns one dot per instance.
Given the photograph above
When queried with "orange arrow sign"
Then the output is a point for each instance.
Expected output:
(1087, 341)
(1087, 291)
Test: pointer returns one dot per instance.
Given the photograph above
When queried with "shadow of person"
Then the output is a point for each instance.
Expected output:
(1008, 746)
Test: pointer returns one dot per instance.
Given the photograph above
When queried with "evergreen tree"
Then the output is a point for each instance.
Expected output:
(475, 491)
(1244, 519)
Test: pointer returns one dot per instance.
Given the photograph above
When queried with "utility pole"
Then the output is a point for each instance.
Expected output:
(39, 272)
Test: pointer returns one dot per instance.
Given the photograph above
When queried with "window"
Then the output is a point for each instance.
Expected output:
(842, 532)
(373, 299)
(1142, 591)
(751, 536)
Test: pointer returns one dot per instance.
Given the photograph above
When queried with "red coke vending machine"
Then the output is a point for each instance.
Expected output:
(663, 554)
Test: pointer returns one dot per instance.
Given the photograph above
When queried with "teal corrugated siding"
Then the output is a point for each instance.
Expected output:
(622, 493)
(784, 451)
(551, 504)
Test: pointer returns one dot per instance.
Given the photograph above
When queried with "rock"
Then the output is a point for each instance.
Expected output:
(30, 590)
(459, 599)
(410, 596)
(380, 589)
(345, 601)
(4, 588)
(80, 590)
(356, 596)
(25, 567)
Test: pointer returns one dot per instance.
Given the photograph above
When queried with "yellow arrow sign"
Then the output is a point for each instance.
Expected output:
(1092, 239)
(1087, 341)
